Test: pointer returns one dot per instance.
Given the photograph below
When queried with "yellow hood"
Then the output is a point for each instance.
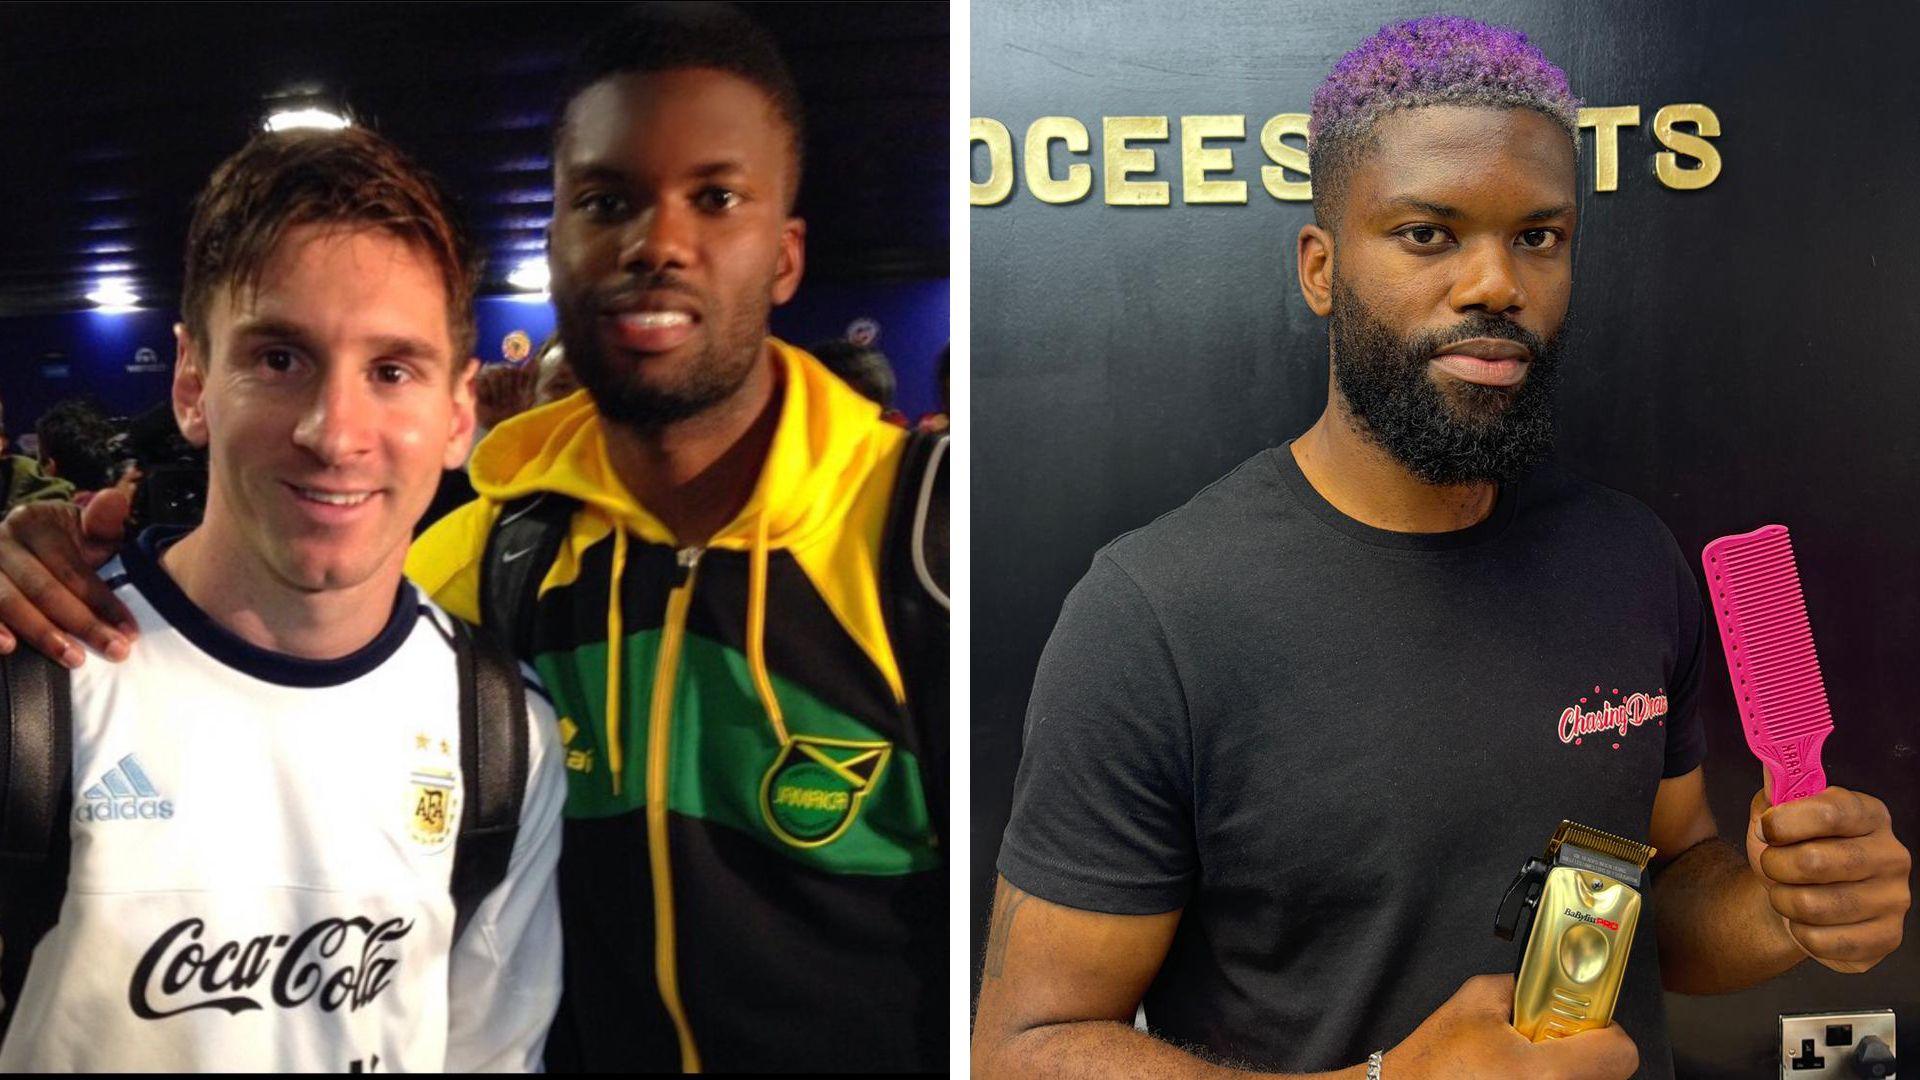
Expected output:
(821, 495)
(828, 440)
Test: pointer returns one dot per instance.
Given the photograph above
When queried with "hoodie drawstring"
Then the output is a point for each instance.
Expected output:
(614, 754)
(757, 628)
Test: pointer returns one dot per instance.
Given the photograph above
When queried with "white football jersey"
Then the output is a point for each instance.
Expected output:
(261, 854)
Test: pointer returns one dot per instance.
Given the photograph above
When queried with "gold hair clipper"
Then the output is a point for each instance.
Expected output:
(1583, 898)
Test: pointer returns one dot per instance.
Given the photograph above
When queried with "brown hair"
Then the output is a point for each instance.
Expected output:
(281, 180)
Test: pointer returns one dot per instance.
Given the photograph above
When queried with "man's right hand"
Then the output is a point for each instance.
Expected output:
(1472, 1035)
(1059, 987)
(48, 553)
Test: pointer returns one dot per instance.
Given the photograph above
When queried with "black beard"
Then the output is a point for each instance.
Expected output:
(1462, 434)
(623, 397)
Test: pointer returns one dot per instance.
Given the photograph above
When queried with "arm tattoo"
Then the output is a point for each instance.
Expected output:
(1005, 904)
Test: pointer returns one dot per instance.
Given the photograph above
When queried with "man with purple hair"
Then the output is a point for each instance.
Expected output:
(1288, 742)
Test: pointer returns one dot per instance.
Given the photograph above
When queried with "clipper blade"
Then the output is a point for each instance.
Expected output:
(1628, 851)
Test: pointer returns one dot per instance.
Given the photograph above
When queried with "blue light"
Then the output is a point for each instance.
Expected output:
(114, 296)
(523, 121)
(523, 197)
(530, 277)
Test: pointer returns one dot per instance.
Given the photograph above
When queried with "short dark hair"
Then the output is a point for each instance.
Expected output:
(78, 437)
(862, 367)
(281, 180)
(649, 38)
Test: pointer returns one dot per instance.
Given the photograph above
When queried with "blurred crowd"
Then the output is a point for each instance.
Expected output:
(77, 449)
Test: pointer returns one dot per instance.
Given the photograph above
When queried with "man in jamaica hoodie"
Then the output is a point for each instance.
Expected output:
(751, 878)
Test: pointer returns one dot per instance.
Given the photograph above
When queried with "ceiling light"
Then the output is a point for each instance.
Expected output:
(535, 164)
(114, 295)
(288, 119)
(530, 275)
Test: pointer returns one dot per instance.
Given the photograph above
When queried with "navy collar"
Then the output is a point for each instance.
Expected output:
(142, 561)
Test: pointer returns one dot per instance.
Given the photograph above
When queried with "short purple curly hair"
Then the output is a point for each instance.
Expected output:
(1432, 60)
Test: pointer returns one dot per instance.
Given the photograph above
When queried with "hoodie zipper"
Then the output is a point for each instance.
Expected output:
(659, 759)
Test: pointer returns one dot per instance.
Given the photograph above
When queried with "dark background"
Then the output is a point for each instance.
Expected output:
(115, 114)
(1739, 355)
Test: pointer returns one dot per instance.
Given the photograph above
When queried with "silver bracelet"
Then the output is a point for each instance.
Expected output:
(1373, 1064)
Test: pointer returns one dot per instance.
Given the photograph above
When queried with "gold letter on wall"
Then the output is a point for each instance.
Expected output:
(1285, 156)
(1606, 124)
(1667, 166)
(1121, 160)
(999, 182)
(1040, 178)
(1197, 159)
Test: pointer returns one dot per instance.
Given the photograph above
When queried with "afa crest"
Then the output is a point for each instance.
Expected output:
(815, 786)
(434, 801)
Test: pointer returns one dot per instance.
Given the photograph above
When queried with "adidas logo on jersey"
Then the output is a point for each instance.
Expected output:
(123, 793)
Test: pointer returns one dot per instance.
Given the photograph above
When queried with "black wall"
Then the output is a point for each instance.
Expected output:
(1740, 354)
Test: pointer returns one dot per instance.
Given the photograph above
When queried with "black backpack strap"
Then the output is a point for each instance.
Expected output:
(38, 754)
(914, 557)
(38, 773)
(522, 545)
(493, 767)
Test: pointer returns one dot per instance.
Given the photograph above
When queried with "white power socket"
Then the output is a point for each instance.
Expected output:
(1815, 1045)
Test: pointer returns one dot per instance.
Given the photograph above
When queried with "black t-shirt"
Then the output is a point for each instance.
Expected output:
(1334, 746)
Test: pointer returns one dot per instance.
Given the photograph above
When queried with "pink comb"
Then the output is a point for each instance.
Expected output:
(1776, 676)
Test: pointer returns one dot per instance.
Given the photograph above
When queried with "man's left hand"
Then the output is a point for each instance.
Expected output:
(1835, 873)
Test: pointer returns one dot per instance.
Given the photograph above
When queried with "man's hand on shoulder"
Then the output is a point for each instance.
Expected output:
(1834, 872)
(48, 553)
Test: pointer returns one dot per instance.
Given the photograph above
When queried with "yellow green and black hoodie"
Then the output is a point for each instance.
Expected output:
(749, 878)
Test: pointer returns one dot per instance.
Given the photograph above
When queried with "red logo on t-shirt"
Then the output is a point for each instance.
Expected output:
(1579, 721)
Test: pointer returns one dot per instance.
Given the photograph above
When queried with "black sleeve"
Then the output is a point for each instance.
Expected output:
(1103, 804)
(1686, 733)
